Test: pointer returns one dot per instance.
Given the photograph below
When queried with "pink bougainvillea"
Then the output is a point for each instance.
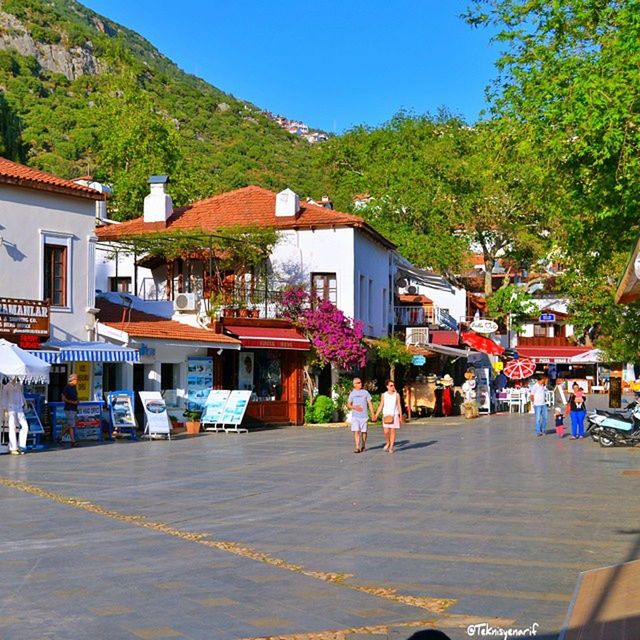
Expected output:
(336, 339)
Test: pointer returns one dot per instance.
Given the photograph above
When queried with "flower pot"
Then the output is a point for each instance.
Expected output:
(244, 313)
(228, 312)
(254, 313)
(192, 427)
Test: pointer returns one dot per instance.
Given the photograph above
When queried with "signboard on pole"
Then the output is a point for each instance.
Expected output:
(214, 409)
(482, 325)
(418, 360)
(155, 413)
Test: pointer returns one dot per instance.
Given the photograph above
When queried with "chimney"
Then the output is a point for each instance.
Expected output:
(158, 205)
(326, 202)
(287, 204)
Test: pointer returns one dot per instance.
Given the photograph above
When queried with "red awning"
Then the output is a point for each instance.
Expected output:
(559, 355)
(481, 343)
(269, 338)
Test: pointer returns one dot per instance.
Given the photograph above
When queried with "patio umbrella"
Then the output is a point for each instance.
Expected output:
(519, 369)
(481, 343)
(18, 364)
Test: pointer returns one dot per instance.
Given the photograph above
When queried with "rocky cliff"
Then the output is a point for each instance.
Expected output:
(70, 61)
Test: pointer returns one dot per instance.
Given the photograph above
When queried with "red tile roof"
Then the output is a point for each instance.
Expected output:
(246, 207)
(19, 174)
(139, 324)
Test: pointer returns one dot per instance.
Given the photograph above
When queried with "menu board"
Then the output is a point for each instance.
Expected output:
(88, 420)
(214, 406)
(235, 407)
(121, 410)
(199, 382)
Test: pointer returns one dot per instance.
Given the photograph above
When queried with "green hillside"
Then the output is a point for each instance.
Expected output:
(81, 95)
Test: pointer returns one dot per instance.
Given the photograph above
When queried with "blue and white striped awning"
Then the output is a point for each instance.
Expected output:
(85, 352)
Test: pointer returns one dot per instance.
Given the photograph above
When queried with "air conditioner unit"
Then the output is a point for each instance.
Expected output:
(185, 302)
(417, 335)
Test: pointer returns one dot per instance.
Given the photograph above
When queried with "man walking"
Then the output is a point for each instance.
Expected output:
(358, 402)
(70, 399)
(539, 401)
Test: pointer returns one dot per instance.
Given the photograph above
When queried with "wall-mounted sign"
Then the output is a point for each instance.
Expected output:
(418, 361)
(19, 317)
(547, 317)
(483, 326)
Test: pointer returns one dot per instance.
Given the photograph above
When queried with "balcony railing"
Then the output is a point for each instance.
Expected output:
(414, 316)
(542, 341)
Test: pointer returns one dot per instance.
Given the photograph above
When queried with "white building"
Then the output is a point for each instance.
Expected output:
(47, 247)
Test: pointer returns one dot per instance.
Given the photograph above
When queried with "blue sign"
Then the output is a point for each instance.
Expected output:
(418, 360)
(547, 317)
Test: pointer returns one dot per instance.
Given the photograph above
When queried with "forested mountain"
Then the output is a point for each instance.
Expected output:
(81, 95)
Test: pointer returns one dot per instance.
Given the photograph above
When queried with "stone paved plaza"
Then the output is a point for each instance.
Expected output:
(286, 533)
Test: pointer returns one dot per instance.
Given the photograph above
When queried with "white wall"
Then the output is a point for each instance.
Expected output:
(351, 255)
(28, 217)
(455, 303)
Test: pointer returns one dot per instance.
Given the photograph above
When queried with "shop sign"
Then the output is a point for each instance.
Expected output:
(20, 317)
(483, 326)
(547, 317)
(418, 361)
(259, 343)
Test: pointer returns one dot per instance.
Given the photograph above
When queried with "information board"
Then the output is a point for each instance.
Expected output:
(155, 413)
(235, 408)
(214, 409)
(88, 420)
(120, 405)
(199, 381)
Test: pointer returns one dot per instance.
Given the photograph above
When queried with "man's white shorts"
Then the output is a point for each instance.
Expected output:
(358, 425)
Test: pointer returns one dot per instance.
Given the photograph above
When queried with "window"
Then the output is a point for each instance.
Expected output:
(55, 274)
(324, 286)
(122, 285)
(540, 330)
(267, 375)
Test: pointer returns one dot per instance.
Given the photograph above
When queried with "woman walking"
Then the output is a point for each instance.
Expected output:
(577, 409)
(391, 412)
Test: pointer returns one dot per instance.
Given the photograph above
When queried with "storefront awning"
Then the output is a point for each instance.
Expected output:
(559, 355)
(269, 337)
(59, 351)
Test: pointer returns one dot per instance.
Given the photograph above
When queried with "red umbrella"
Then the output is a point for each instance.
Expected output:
(481, 343)
(519, 369)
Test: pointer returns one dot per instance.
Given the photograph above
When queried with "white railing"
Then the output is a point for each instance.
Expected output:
(150, 290)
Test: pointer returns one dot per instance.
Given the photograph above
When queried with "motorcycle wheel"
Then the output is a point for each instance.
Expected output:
(606, 441)
(595, 437)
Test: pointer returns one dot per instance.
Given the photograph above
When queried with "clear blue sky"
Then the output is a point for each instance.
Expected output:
(331, 63)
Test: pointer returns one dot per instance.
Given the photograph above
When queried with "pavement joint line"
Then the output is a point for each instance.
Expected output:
(433, 605)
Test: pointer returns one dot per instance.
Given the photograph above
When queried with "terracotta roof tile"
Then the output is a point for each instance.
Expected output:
(249, 206)
(14, 173)
(139, 324)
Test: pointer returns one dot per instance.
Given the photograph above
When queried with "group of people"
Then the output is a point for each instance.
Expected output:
(575, 409)
(360, 405)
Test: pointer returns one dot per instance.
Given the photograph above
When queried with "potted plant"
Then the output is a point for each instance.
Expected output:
(192, 422)
(254, 313)
(216, 300)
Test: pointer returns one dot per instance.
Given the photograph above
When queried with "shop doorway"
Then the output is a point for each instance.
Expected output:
(57, 382)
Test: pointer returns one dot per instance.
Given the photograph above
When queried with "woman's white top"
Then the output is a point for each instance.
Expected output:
(389, 408)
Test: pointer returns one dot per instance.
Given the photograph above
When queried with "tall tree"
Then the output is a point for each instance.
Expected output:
(570, 81)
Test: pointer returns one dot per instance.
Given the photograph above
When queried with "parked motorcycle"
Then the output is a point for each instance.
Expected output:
(615, 428)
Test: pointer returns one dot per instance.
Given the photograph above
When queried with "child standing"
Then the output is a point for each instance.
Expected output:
(559, 423)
